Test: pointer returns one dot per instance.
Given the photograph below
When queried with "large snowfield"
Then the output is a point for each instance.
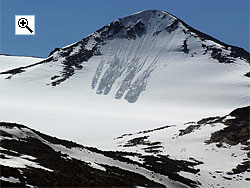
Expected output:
(73, 111)
(133, 85)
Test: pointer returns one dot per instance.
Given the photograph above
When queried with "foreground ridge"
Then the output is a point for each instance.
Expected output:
(42, 160)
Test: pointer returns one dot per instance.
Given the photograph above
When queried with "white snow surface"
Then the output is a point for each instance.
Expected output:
(8, 62)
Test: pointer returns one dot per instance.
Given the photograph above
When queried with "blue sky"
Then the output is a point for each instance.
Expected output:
(62, 22)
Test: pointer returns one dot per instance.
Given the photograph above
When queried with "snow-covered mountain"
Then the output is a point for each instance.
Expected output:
(150, 55)
(139, 74)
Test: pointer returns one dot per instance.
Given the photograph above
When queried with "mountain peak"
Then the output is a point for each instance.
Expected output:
(139, 50)
(154, 12)
(138, 24)
(150, 12)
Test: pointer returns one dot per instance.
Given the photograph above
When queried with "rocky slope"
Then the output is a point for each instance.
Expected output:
(31, 158)
(219, 145)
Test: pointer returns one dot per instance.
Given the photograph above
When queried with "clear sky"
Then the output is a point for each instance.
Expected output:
(62, 22)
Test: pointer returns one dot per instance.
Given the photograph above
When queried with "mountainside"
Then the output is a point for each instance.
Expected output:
(134, 89)
(213, 152)
(139, 56)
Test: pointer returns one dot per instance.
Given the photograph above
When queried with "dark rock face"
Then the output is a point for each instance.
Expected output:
(191, 128)
(247, 75)
(116, 27)
(172, 27)
(240, 52)
(236, 52)
(150, 147)
(237, 130)
(74, 62)
(243, 167)
(53, 51)
(110, 30)
(165, 165)
(216, 53)
(156, 33)
(185, 47)
(137, 30)
(241, 113)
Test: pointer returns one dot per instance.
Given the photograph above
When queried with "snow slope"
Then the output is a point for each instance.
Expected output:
(8, 62)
